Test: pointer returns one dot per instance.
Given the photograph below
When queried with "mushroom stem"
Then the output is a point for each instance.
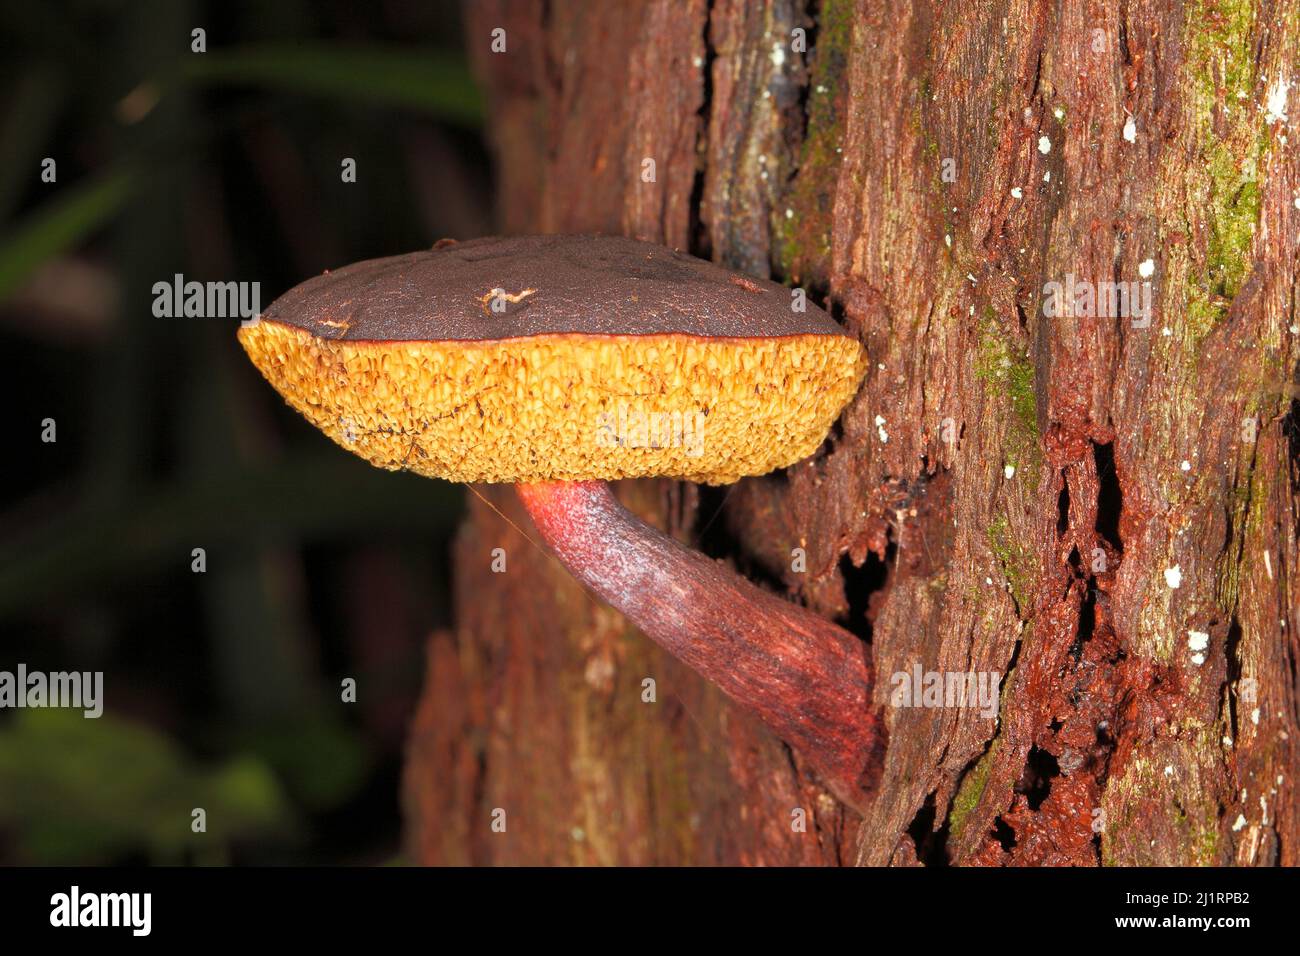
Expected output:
(808, 680)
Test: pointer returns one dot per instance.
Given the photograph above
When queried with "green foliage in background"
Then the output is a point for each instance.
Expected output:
(173, 448)
(76, 790)
(434, 83)
(60, 225)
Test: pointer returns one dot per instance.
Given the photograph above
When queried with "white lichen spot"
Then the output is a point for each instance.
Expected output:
(1239, 823)
(1166, 331)
(1227, 741)
(880, 430)
(697, 62)
(789, 214)
(1130, 130)
(1059, 113)
(1174, 576)
(1198, 640)
(1147, 268)
(1047, 176)
(1254, 716)
(1044, 145)
(1009, 471)
(1198, 659)
(947, 241)
(1017, 192)
(988, 580)
(778, 55)
(1169, 770)
(1186, 465)
(1276, 105)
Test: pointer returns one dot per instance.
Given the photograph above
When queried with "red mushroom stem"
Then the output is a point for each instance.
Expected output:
(808, 680)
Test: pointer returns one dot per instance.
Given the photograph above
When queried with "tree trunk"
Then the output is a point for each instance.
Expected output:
(1090, 503)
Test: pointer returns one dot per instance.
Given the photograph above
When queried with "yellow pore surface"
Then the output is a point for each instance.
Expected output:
(564, 406)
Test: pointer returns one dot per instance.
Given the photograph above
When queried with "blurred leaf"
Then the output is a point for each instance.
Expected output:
(430, 81)
(77, 790)
(59, 225)
(322, 761)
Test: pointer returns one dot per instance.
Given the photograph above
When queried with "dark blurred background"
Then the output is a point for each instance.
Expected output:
(222, 688)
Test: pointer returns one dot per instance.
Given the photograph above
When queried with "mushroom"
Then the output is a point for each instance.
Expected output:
(558, 363)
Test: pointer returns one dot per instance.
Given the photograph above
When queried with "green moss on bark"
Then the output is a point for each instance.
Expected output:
(1013, 377)
(1019, 563)
(801, 241)
(971, 791)
(1223, 102)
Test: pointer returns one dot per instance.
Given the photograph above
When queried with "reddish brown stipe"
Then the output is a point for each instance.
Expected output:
(806, 679)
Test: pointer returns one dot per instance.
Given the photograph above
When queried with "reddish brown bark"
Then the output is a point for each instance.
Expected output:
(1011, 492)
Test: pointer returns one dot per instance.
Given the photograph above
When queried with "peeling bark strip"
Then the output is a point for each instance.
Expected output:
(1103, 509)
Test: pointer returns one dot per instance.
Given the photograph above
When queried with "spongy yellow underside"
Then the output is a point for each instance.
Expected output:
(566, 407)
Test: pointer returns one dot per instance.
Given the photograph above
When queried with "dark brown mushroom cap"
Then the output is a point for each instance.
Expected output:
(595, 285)
(602, 358)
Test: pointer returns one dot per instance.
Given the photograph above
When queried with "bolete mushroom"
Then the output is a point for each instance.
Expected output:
(560, 362)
